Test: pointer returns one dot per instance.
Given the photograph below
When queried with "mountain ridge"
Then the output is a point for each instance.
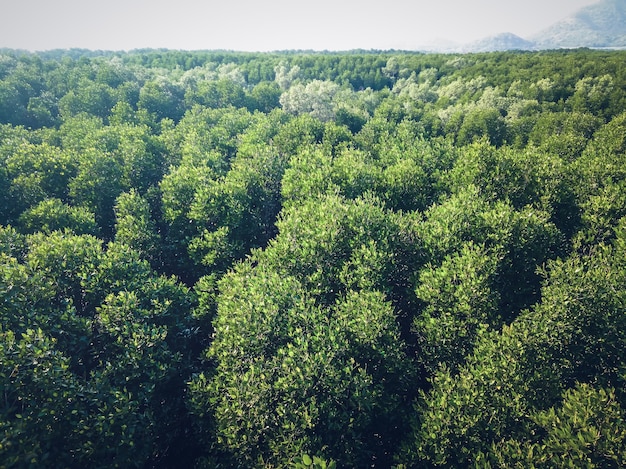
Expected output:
(601, 25)
(502, 42)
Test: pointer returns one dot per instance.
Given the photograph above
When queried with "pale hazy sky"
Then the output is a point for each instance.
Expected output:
(268, 25)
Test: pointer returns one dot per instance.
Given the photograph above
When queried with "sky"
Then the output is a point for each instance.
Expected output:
(257, 25)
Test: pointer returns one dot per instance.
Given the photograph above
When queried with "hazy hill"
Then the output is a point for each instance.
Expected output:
(500, 42)
(600, 25)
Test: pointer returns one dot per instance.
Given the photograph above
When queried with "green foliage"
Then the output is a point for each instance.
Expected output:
(264, 96)
(460, 303)
(593, 94)
(52, 215)
(298, 133)
(479, 123)
(522, 177)
(161, 99)
(91, 356)
(412, 167)
(34, 172)
(91, 98)
(306, 462)
(97, 185)
(600, 170)
(215, 219)
(49, 165)
(575, 335)
(309, 175)
(586, 430)
(563, 133)
(521, 241)
(134, 226)
(38, 392)
(12, 243)
(217, 94)
(209, 136)
(242, 206)
(294, 377)
(331, 244)
(302, 259)
(406, 174)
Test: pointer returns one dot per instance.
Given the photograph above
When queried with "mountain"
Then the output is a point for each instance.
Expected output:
(499, 42)
(599, 25)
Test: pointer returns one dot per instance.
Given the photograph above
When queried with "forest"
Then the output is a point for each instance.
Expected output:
(312, 260)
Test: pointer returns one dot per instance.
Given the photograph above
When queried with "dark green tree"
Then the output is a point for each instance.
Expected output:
(135, 227)
(293, 377)
(52, 215)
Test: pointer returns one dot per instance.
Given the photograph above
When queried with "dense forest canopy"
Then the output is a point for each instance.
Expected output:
(312, 260)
